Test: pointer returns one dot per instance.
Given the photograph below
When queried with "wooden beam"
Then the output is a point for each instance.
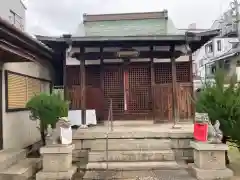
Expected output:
(83, 86)
(174, 86)
(113, 55)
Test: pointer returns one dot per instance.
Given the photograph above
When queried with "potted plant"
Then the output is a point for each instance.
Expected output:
(47, 108)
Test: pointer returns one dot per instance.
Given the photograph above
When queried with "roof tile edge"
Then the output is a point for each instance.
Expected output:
(125, 16)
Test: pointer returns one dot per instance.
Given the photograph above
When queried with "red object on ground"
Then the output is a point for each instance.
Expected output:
(200, 132)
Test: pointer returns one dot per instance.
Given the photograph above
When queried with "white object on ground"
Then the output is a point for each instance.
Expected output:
(75, 117)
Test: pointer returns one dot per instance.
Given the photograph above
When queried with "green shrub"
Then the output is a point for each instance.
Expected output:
(47, 108)
(221, 100)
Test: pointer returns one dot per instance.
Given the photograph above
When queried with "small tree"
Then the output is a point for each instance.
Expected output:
(47, 109)
(221, 100)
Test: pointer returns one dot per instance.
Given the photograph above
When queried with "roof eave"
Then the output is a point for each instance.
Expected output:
(9, 30)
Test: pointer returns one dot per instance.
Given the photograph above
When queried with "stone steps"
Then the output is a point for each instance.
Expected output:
(130, 166)
(136, 175)
(129, 144)
(126, 156)
(22, 170)
(11, 156)
(130, 123)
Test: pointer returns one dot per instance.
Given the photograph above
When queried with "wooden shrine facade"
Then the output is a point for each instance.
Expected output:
(142, 75)
(143, 82)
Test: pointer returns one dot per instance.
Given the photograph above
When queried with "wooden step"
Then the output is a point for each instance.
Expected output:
(134, 156)
(23, 170)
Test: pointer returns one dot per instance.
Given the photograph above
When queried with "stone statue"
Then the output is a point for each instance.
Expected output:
(215, 135)
(55, 136)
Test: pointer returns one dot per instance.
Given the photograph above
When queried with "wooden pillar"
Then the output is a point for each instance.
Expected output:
(126, 63)
(174, 85)
(101, 70)
(83, 85)
(65, 74)
(191, 80)
(152, 82)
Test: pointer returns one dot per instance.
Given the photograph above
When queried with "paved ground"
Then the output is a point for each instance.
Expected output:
(145, 175)
(234, 156)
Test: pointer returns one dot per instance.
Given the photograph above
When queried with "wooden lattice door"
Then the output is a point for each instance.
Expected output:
(113, 89)
(162, 92)
(139, 92)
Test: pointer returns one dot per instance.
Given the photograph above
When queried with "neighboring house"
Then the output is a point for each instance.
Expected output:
(227, 23)
(26, 68)
(13, 11)
(133, 59)
(220, 52)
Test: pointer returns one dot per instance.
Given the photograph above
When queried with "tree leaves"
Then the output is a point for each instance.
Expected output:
(47, 108)
(221, 100)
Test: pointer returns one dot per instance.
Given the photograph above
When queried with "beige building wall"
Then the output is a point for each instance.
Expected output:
(18, 130)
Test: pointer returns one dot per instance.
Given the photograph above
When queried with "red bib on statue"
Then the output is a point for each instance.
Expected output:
(200, 131)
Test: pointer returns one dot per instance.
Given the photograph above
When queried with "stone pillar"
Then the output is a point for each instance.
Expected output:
(209, 161)
(57, 163)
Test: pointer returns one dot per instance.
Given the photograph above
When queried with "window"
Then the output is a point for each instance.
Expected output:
(20, 88)
(201, 63)
(219, 45)
(213, 69)
(16, 20)
(226, 65)
(209, 48)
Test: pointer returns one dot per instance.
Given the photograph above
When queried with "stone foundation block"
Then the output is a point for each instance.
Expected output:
(209, 161)
(211, 174)
(57, 158)
(209, 156)
(68, 175)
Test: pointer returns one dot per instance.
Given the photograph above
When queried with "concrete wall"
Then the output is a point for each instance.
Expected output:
(18, 130)
(17, 7)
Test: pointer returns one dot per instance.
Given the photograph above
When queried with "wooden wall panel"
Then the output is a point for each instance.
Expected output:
(162, 95)
(184, 102)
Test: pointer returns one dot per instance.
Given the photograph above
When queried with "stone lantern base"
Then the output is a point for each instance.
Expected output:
(57, 163)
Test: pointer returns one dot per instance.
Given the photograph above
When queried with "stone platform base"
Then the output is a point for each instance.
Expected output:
(56, 175)
(209, 174)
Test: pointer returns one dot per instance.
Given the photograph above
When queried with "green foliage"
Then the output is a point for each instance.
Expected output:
(47, 108)
(221, 100)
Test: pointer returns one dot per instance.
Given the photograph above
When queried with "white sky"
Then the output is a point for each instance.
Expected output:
(54, 17)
